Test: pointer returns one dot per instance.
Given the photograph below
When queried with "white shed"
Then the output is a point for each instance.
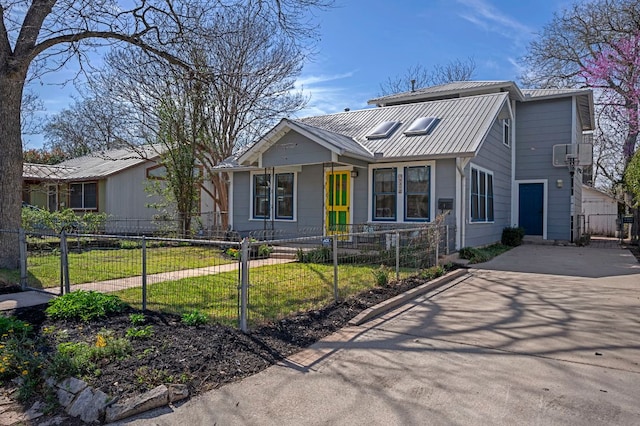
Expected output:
(600, 212)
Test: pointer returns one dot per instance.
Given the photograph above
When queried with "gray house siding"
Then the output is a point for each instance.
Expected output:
(541, 125)
(308, 205)
(495, 157)
(360, 206)
(295, 149)
(446, 187)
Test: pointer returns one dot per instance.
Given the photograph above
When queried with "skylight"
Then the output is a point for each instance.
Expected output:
(383, 130)
(421, 126)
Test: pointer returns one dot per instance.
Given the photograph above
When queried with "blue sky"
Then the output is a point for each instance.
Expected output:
(363, 42)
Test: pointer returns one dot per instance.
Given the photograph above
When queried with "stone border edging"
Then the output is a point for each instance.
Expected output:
(392, 303)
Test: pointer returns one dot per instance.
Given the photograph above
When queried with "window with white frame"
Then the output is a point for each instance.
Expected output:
(401, 193)
(83, 195)
(284, 196)
(481, 195)
(506, 131)
(283, 192)
(416, 193)
(384, 194)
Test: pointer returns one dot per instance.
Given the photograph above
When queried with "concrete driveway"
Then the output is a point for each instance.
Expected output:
(540, 335)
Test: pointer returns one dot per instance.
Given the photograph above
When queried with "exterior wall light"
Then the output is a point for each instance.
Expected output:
(559, 183)
(354, 173)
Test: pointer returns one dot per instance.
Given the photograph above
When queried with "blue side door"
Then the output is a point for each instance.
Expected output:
(531, 208)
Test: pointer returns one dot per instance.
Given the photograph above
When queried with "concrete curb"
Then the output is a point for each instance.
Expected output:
(394, 302)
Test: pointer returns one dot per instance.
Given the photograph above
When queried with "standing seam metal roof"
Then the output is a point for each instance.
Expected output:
(461, 129)
(93, 166)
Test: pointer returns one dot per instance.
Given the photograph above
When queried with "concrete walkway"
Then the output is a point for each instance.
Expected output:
(541, 335)
(32, 298)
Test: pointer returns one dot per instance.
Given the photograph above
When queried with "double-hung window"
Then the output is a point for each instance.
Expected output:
(384, 194)
(284, 196)
(83, 195)
(481, 195)
(417, 185)
(261, 196)
(282, 192)
(402, 193)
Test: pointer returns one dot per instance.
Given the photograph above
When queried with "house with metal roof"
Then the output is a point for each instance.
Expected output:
(114, 182)
(478, 154)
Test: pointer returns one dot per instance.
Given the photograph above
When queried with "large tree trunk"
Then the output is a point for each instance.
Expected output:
(10, 170)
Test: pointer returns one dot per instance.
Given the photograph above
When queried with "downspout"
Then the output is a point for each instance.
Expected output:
(460, 204)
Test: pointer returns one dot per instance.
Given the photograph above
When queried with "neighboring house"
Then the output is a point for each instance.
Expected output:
(478, 153)
(600, 211)
(113, 182)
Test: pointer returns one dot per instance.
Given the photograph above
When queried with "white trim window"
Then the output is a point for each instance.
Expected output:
(481, 195)
(402, 192)
(385, 194)
(417, 193)
(506, 132)
(277, 201)
(83, 195)
(261, 196)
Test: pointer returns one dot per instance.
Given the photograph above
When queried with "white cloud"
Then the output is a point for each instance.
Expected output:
(487, 17)
(327, 97)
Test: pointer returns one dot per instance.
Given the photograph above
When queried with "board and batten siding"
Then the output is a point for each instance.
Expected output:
(125, 195)
(540, 125)
(294, 149)
(494, 156)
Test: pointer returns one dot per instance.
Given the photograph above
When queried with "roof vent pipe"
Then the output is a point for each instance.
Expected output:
(413, 85)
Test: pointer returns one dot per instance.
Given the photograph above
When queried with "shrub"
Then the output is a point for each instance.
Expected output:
(20, 356)
(232, 252)
(484, 254)
(264, 250)
(512, 237)
(381, 275)
(78, 358)
(137, 319)
(140, 332)
(433, 272)
(84, 305)
(195, 318)
(317, 255)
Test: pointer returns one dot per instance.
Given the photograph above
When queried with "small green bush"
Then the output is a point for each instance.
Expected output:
(484, 254)
(137, 319)
(195, 318)
(140, 332)
(381, 275)
(264, 250)
(317, 255)
(512, 237)
(81, 358)
(433, 272)
(11, 326)
(84, 305)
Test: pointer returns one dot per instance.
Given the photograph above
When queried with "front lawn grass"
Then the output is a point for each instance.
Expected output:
(100, 265)
(275, 291)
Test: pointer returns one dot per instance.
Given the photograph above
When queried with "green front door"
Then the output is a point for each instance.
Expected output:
(337, 202)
